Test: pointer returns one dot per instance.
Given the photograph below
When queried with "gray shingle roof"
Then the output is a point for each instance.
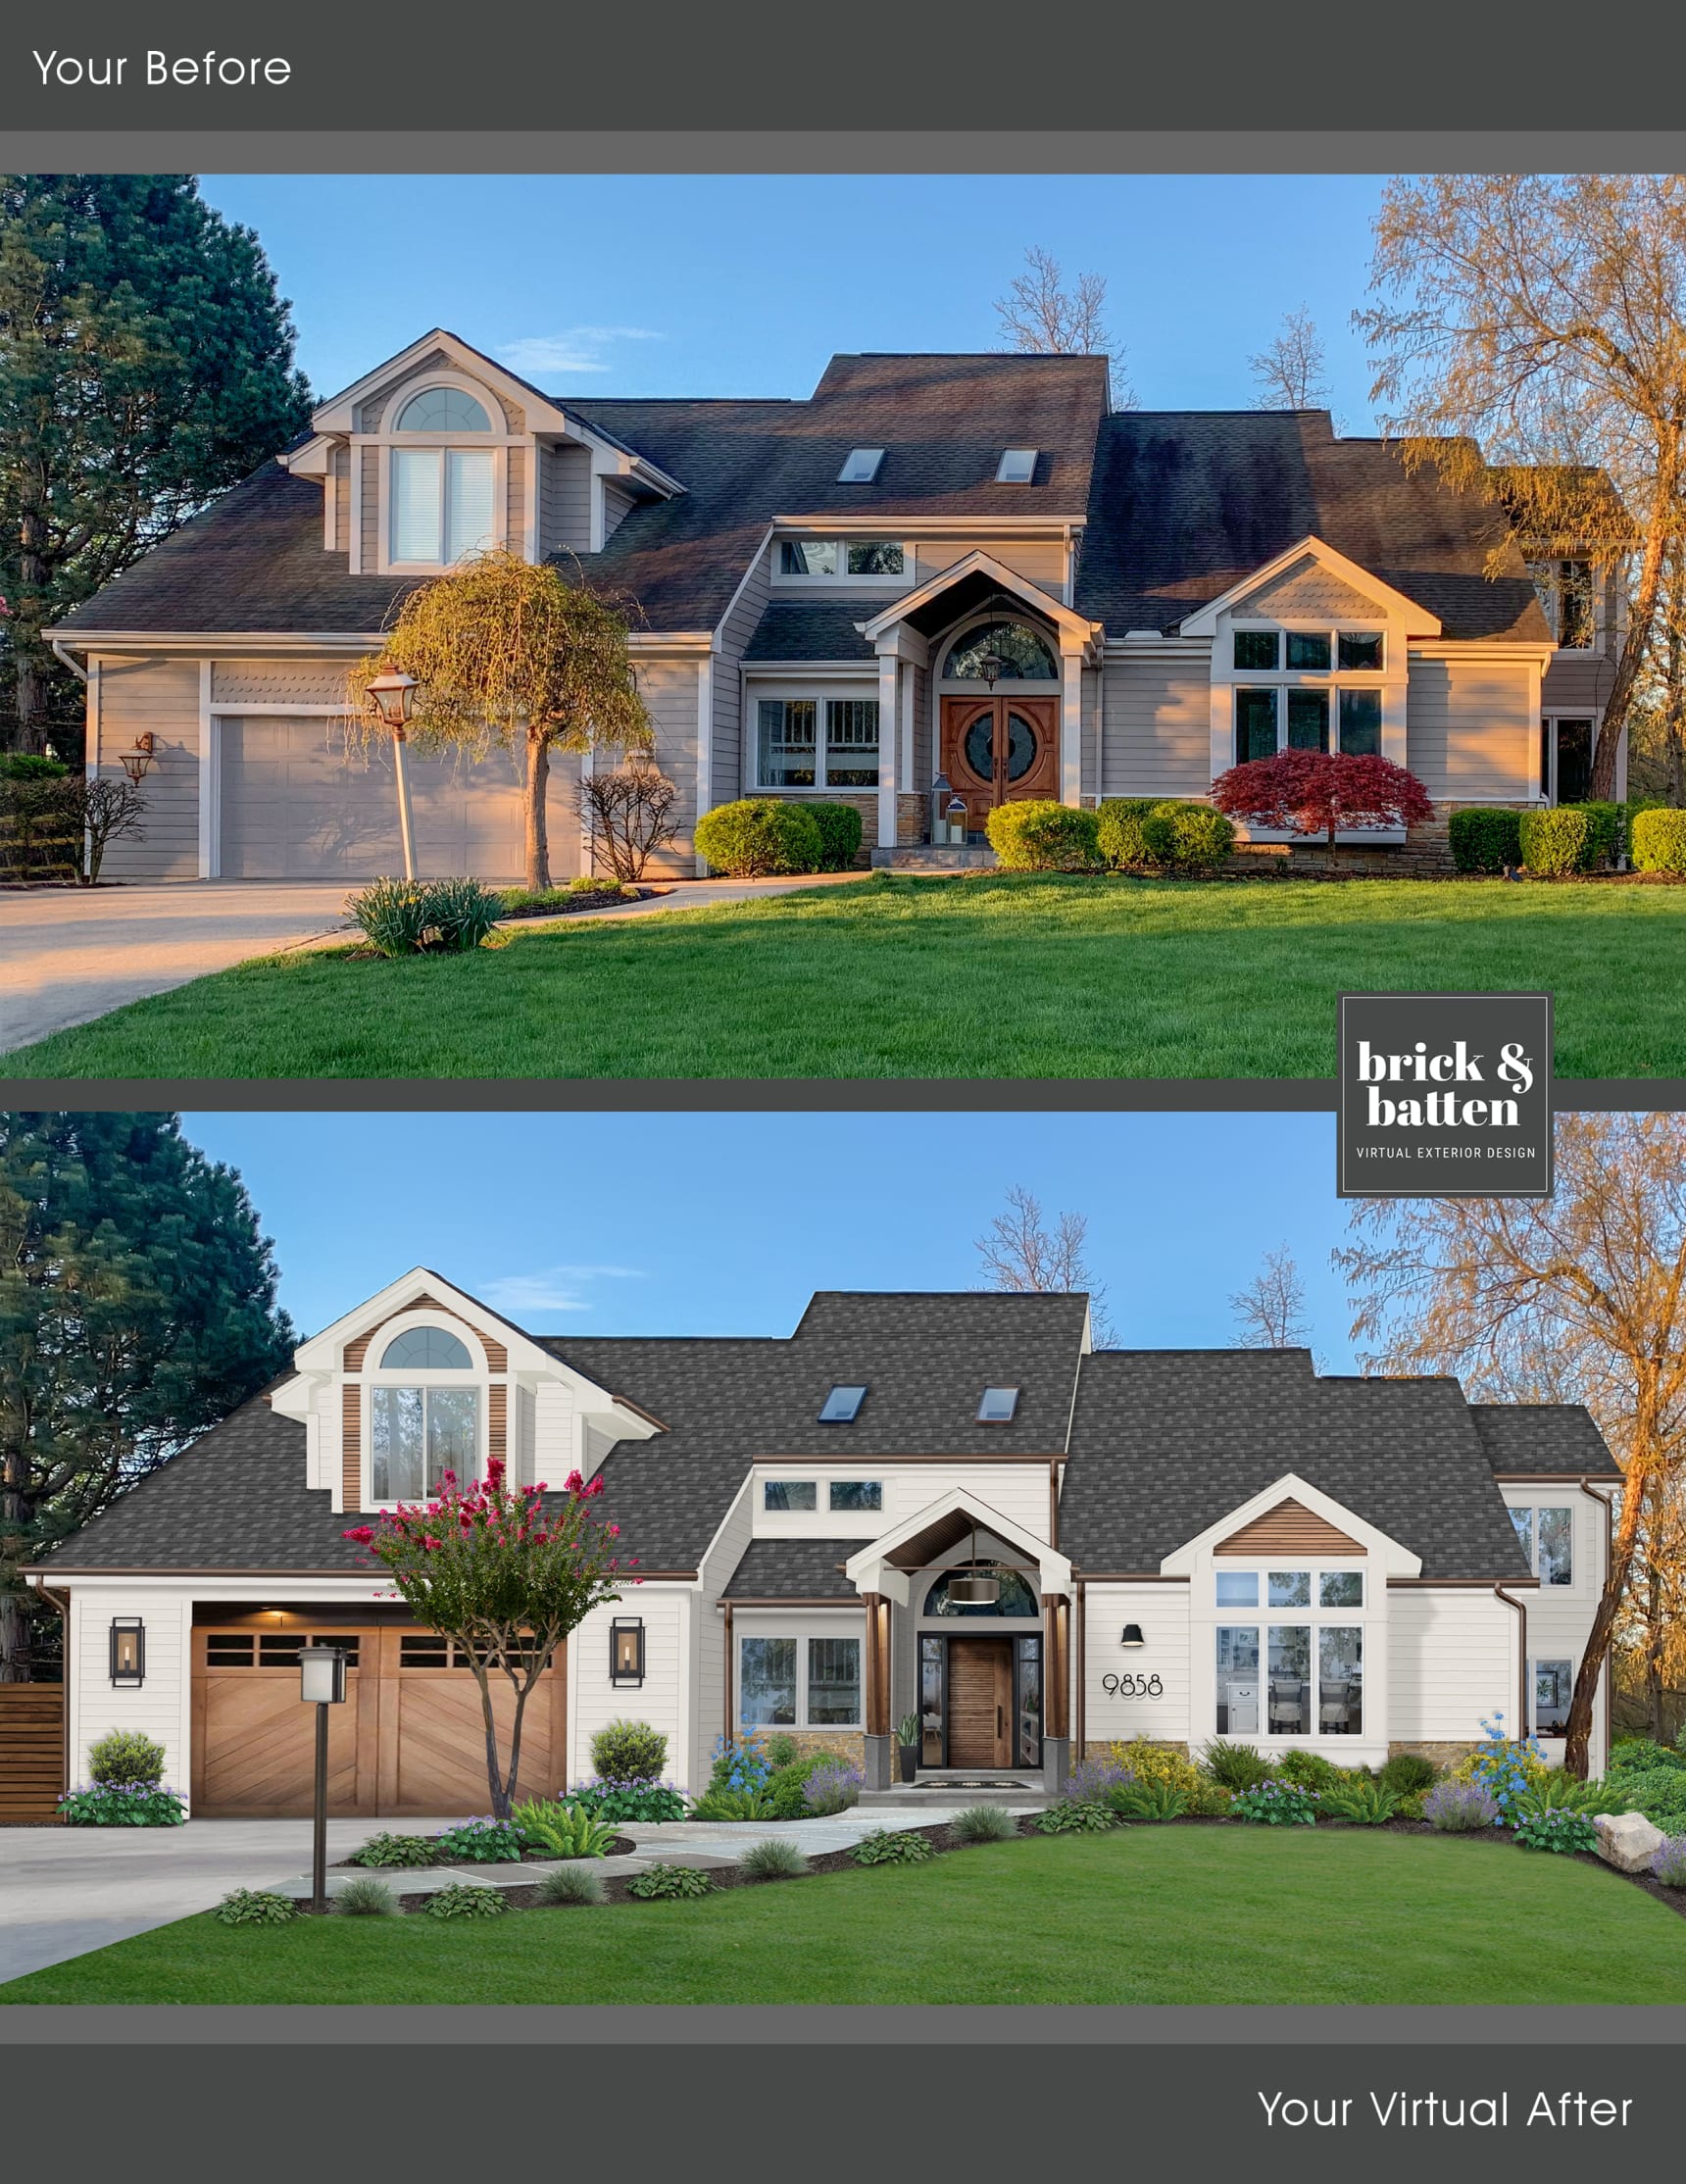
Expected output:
(1186, 502)
(1555, 1437)
(812, 629)
(794, 1570)
(1167, 1442)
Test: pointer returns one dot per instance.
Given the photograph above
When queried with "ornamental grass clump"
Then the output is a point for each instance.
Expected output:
(1461, 1807)
(570, 1884)
(1668, 1863)
(424, 917)
(1234, 1766)
(666, 1883)
(772, 1861)
(466, 1900)
(983, 1823)
(1273, 1804)
(256, 1907)
(366, 1898)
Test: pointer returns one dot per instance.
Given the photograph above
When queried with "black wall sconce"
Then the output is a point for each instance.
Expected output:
(627, 1650)
(127, 1650)
(1132, 1635)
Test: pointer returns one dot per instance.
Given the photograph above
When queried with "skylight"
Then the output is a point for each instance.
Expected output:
(998, 1406)
(862, 467)
(842, 1405)
(1018, 467)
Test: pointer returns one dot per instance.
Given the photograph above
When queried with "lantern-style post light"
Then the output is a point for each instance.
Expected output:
(392, 693)
(137, 763)
(321, 1684)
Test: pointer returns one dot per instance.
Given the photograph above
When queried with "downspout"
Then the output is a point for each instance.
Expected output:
(1603, 1500)
(1081, 1724)
(1521, 1609)
(65, 661)
(730, 1665)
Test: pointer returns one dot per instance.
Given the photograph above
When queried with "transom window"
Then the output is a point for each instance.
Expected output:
(842, 557)
(243, 1648)
(426, 1350)
(1297, 715)
(799, 1683)
(791, 755)
(1297, 1676)
(842, 1405)
(998, 1406)
(786, 1495)
(1014, 1595)
(1019, 654)
(444, 410)
(1548, 1540)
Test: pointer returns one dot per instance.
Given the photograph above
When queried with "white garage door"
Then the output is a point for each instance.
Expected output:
(296, 806)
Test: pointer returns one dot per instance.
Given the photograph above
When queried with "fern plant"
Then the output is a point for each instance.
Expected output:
(733, 1805)
(1147, 1801)
(1365, 1804)
(564, 1830)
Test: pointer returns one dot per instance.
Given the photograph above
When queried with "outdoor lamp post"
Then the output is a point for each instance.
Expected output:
(321, 1684)
(392, 693)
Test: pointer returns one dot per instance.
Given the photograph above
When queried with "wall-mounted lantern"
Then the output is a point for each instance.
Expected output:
(1132, 1635)
(127, 1650)
(136, 764)
(627, 1650)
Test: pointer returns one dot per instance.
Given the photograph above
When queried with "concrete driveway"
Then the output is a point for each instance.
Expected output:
(66, 1890)
(68, 955)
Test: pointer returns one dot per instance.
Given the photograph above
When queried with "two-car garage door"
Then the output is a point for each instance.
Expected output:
(295, 804)
(410, 1737)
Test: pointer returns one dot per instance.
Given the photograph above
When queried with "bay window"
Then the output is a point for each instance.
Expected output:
(799, 1683)
(815, 742)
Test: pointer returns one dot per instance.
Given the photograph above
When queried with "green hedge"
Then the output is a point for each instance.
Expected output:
(1120, 829)
(1187, 837)
(1660, 841)
(840, 828)
(760, 835)
(1038, 835)
(1563, 840)
(1486, 840)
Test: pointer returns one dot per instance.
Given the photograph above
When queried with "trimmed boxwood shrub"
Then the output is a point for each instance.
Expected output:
(1187, 837)
(1660, 841)
(759, 836)
(1410, 1773)
(1038, 835)
(629, 1752)
(1565, 840)
(840, 828)
(1485, 839)
(128, 1757)
(1118, 829)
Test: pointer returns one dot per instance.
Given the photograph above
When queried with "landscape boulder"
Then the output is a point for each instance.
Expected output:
(1628, 1841)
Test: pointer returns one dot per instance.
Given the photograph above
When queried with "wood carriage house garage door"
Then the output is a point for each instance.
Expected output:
(295, 804)
(408, 1740)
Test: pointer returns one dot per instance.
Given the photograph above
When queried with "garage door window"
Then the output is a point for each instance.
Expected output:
(242, 1648)
(418, 1435)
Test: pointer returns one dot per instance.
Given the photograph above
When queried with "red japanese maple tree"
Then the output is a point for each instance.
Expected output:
(1317, 792)
(507, 1574)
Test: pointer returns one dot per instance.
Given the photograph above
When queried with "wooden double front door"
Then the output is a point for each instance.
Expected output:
(409, 1738)
(997, 749)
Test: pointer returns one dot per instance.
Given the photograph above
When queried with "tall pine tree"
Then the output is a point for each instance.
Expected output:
(138, 1307)
(146, 364)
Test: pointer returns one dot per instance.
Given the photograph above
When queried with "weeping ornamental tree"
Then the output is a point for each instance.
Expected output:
(507, 1575)
(509, 653)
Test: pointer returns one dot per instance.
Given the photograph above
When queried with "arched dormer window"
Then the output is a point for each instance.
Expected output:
(425, 1415)
(1020, 654)
(444, 410)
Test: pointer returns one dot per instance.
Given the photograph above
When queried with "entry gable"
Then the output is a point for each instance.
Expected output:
(981, 573)
(1311, 579)
(1291, 1516)
(883, 1563)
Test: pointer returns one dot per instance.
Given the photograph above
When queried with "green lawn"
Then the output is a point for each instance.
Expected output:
(1009, 977)
(1178, 1914)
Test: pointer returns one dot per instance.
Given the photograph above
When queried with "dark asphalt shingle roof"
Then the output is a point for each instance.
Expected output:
(1167, 1442)
(1186, 502)
(1555, 1437)
(794, 1570)
(812, 629)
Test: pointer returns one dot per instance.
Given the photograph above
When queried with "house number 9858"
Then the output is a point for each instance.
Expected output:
(1132, 1687)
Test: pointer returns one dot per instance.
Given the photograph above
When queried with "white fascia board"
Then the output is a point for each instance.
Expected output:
(310, 460)
(678, 642)
(1056, 1570)
(244, 644)
(1066, 620)
(763, 544)
(1395, 1561)
(1417, 620)
(734, 1509)
(320, 1354)
(784, 671)
(1486, 648)
(542, 415)
(845, 520)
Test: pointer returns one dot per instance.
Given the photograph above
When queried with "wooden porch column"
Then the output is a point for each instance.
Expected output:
(1057, 1678)
(878, 1708)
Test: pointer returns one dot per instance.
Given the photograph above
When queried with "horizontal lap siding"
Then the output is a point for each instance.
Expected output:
(1471, 731)
(1042, 561)
(1157, 731)
(565, 499)
(156, 1708)
(1018, 1492)
(669, 690)
(728, 763)
(371, 511)
(341, 489)
(617, 507)
(1452, 1661)
(516, 504)
(660, 1699)
(160, 697)
(1162, 1613)
(1576, 682)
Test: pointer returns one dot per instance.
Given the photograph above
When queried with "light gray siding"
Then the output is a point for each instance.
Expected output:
(285, 681)
(565, 499)
(1091, 732)
(370, 514)
(924, 734)
(517, 508)
(341, 489)
(160, 697)
(617, 506)
(669, 689)
(1307, 588)
(1471, 731)
(1577, 682)
(1043, 561)
(726, 760)
(1159, 729)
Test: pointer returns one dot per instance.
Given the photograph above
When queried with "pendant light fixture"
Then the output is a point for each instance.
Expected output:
(977, 1589)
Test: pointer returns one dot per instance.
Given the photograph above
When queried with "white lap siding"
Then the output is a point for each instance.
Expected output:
(159, 1708)
(668, 1612)
(1455, 1659)
(1111, 1717)
(131, 698)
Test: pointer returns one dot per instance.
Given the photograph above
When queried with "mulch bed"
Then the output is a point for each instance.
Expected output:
(622, 1847)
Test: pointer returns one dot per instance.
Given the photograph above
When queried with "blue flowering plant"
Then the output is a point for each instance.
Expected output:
(741, 1763)
(1506, 1768)
(606, 1798)
(1668, 1861)
(1460, 1808)
(122, 1805)
(1276, 1804)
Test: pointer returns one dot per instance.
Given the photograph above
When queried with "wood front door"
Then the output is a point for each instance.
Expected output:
(979, 1701)
(409, 1737)
(996, 749)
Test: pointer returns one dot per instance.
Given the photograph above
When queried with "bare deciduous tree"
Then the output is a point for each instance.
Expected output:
(1537, 323)
(1021, 1252)
(1579, 1297)
(1269, 1314)
(626, 812)
(1040, 316)
(1290, 371)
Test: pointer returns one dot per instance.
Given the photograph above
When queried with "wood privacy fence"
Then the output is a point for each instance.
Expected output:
(32, 1749)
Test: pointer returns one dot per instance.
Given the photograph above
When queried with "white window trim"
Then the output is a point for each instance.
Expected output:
(802, 1640)
(819, 695)
(1264, 1618)
(439, 444)
(1535, 1662)
(1533, 1508)
(1331, 680)
(899, 580)
(821, 1495)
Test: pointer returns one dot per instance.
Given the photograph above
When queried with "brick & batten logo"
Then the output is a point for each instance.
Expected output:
(1444, 1095)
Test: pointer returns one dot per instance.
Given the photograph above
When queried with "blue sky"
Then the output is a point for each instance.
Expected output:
(745, 284)
(723, 1225)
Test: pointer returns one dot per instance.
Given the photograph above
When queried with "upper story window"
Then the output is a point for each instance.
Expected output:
(841, 558)
(1548, 1540)
(417, 1434)
(1019, 654)
(861, 466)
(1308, 651)
(1018, 467)
(856, 1494)
(426, 1349)
(1569, 596)
(842, 1405)
(787, 1495)
(998, 1406)
(1312, 707)
(444, 410)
